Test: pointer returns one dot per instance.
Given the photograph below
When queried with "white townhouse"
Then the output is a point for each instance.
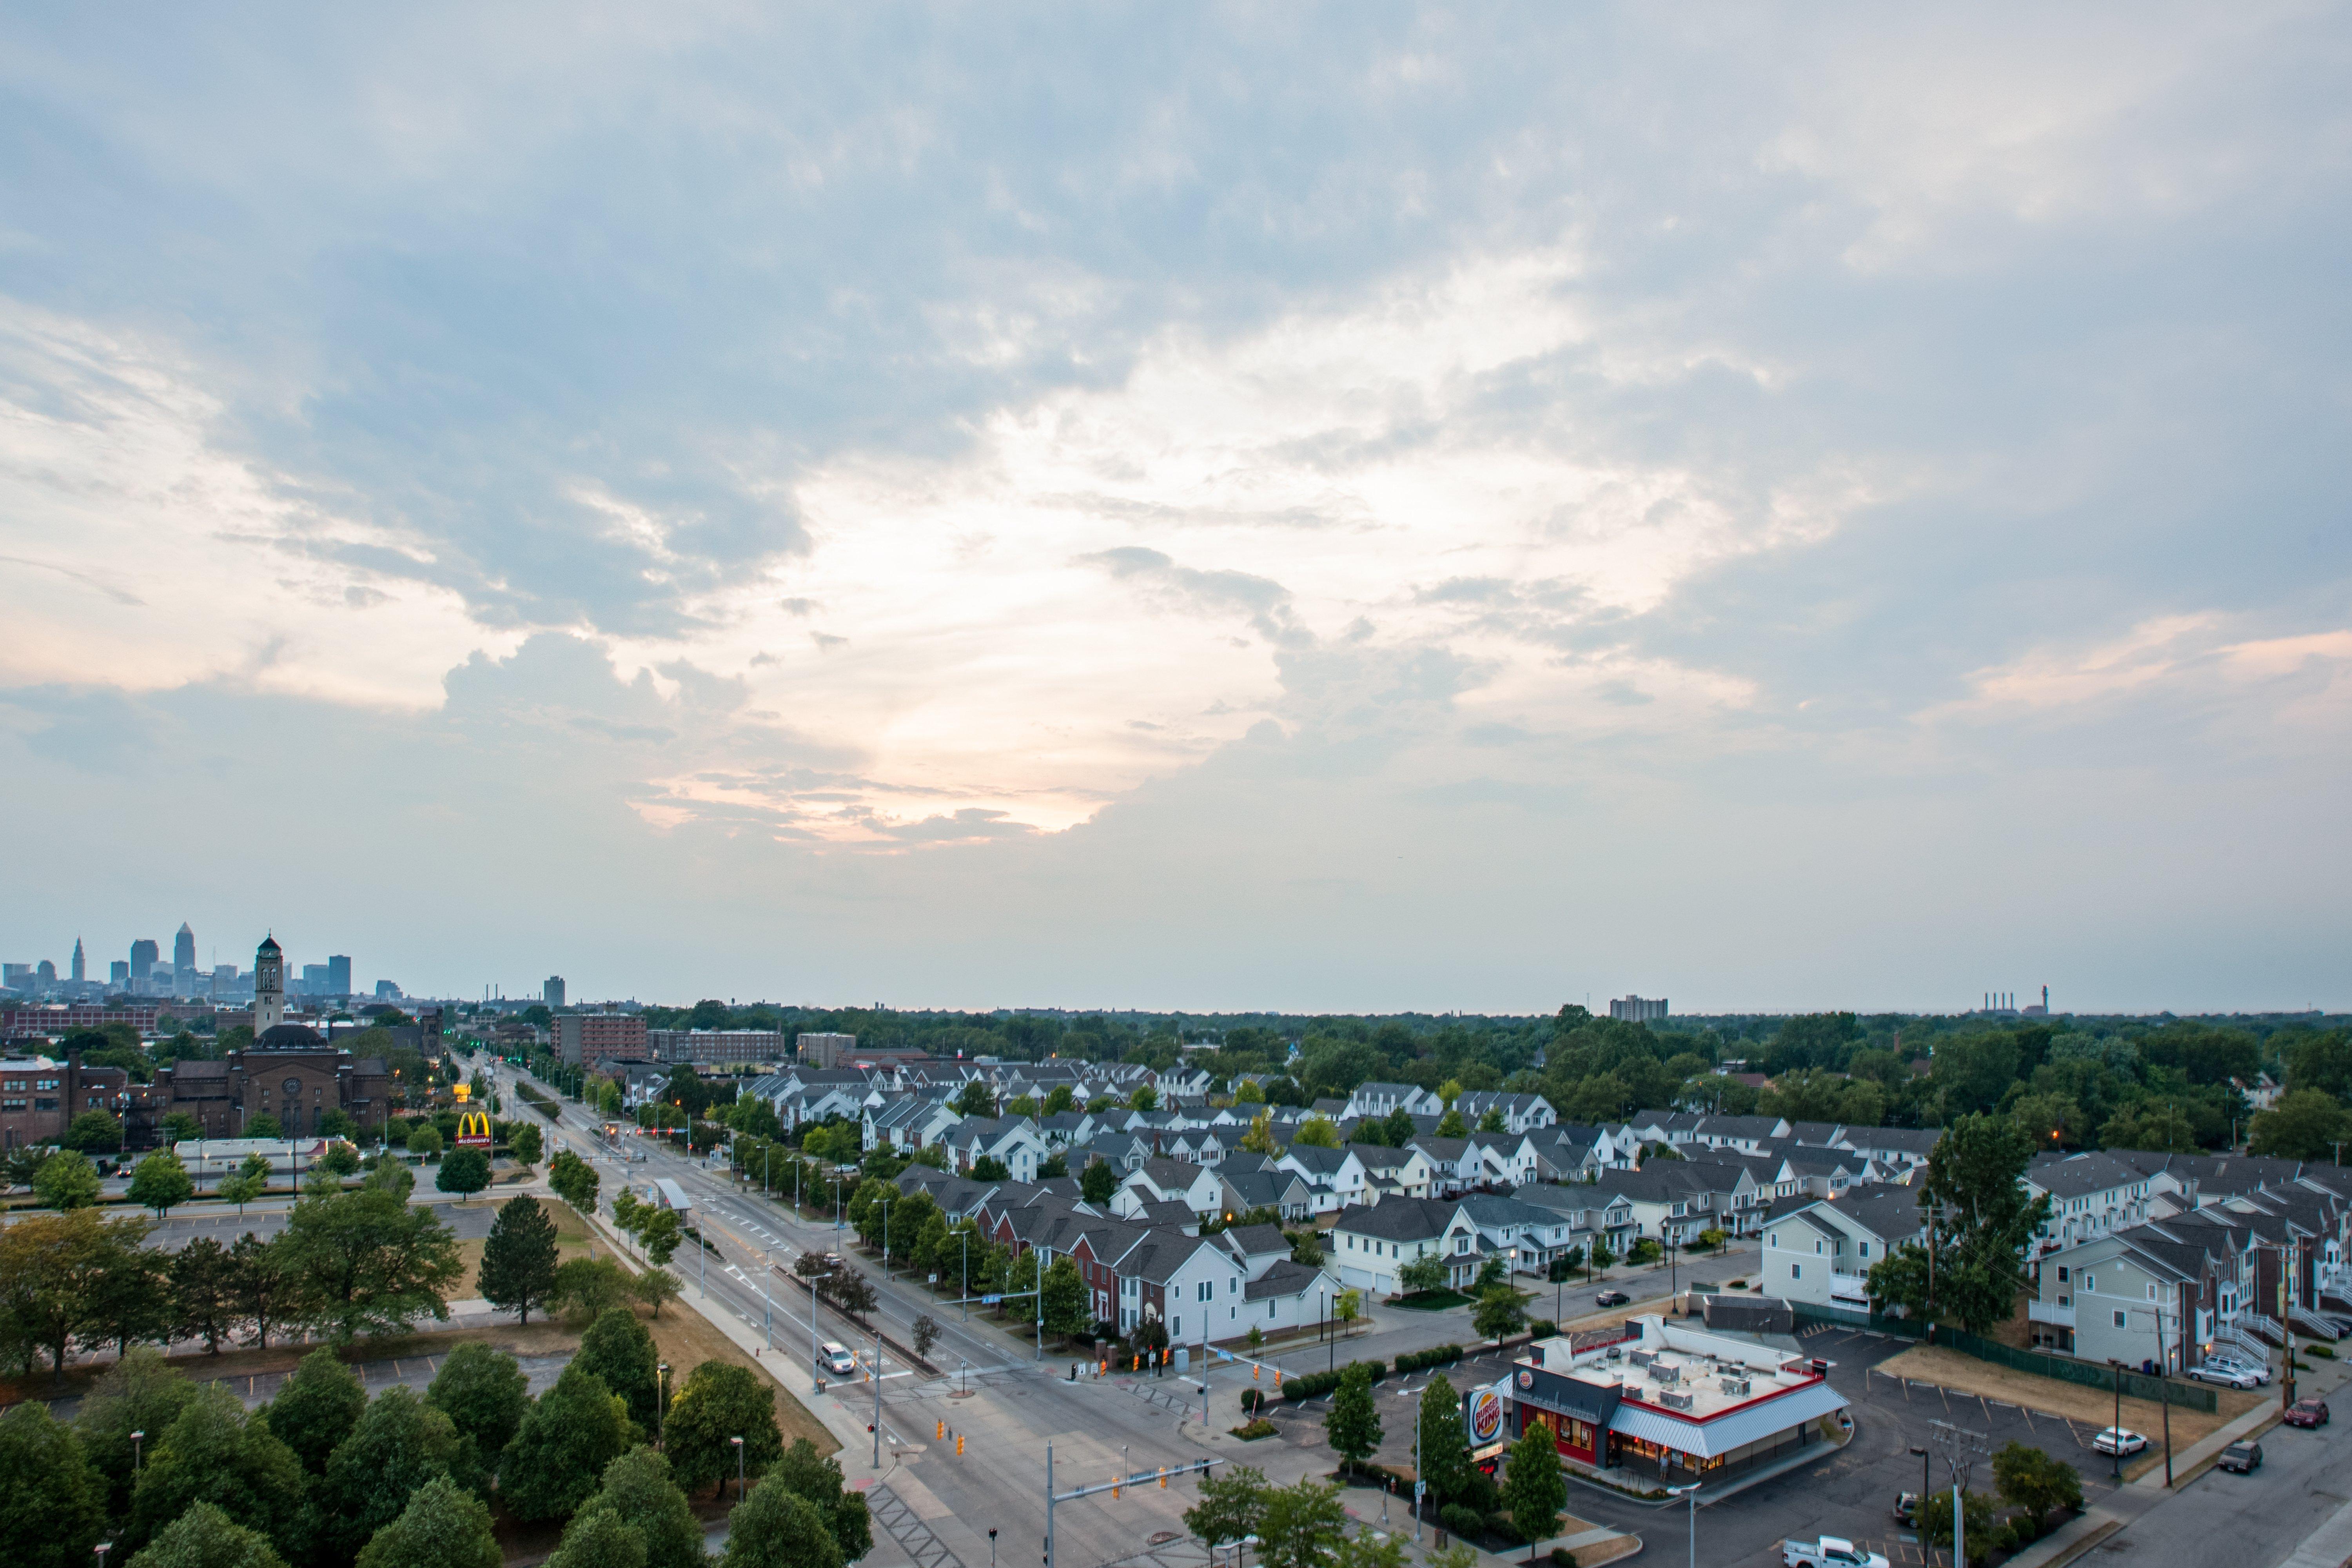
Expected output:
(1821, 1250)
(1335, 1177)
(1744, 1133)
(2091, 1194)
(908, 1122)
(1164, 1180)
(1012, 1140)
(1387, 1099)
(1372, 1242)
(1589, 1212)
(1462, 1165)
(1521, 1112)
(1527, 1236)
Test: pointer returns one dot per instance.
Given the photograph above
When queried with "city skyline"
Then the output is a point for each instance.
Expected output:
(1339, 509)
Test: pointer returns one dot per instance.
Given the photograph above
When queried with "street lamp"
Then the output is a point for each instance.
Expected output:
(738, 1467)
(1922, 1453)
(1691, 1493)
(661, 1406)
(138, 1442)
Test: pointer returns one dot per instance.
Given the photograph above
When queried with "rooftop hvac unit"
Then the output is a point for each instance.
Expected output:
(1614, 1352)
(1643, 1358)
(1738, 1385)
(1674, 1399)
(1665, 1373)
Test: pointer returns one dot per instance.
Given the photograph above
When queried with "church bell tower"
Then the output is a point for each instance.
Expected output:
(268, 986)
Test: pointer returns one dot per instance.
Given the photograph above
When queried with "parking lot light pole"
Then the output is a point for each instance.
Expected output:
(1922, 1453)
(1690, 1494)
(2115, 1371)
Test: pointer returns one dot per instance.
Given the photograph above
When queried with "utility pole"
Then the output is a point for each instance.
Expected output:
(877, 1394)
(1961, 1447)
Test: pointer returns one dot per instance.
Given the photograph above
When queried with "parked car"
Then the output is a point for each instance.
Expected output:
(1829, 1551)
(1906, 1508)
(2245, 1458)
(2223, 1373)
(2259, 1370)
(2118, 1440)
(1611, 1299)
(836, 1360)
(2306, 1413)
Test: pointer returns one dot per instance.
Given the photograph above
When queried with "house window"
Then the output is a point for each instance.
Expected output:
(2062, 1274)
(1796, 1271)
(1865, 1249)
(2119, 1319)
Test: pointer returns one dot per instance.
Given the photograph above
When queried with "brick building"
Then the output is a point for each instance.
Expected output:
(592, 1040)
(718, 1048)
(40, 1097)
(288, 1073)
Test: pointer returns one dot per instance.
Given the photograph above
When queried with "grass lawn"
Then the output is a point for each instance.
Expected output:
(570, 1242)
(2084, 1406)
(1429, 1301)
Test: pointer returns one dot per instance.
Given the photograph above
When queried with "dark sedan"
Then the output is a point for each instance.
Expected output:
(1611, 1299)
(2306, 1413)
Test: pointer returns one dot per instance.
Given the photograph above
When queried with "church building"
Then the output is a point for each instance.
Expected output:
(289, 1072)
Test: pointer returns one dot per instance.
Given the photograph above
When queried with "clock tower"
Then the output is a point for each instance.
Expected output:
(268, 986)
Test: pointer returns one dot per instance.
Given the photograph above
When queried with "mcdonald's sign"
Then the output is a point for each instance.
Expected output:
(473, 1130)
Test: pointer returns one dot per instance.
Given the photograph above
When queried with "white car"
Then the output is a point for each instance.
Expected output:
(836, 1360)
(2259, 1370)
(1829, 1551)
(2118, 1441)
(2223, 1373)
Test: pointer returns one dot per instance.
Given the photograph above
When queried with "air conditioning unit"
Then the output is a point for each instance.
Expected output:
(1738, 1385)
(1643, 1358)
(1665, 1373)
(1674, 1399)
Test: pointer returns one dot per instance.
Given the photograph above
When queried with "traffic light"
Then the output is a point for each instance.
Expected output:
(1164, 1477)
(959, 1444)
(943, 1431)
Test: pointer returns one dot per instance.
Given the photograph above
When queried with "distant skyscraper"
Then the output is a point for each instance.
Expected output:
(77, 962)
(314, 980)
(46, 973)
(143, 954)
(183, 948)
(339, 974)
(268, 986)
(1638, 1009)
(552, 991)
(118, 973)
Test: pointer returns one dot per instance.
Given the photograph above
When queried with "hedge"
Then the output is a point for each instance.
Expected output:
(1461, 1520)
(1418, 1361)
(1315, 1384)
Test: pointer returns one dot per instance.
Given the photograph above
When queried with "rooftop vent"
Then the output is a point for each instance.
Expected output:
(1738, 1385)
(1643, 1358)
(1674, 1399)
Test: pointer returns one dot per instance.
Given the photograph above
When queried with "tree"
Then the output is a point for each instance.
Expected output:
(573, 1179)
(1500, 1313)
(586, 1288)
(465, 1172)
(213, 1452)
(443, 1526)
(1066, 1299)
(661, 1234)
(1098, 1181)
(1346, 1307)
(597, 1537)
(340, 1160)
(204, 1537)
(317, 1409)
(1144, 1099)
(1259, 1139)
(1645, 1251)
(720, 1401)
(2036, 1484)
(267, 1282)
(1934, 1518)
(1451, 1125)
(1533, 1488)
(1300, 1525)
(485, 1395)
(94, 1132)
(369, 1263)
(1603, 1255)
(617, 1348)
(240, 1189)
(523, 1143)
(1492, 1121)
(1444, 1441)
(776, 1527)
(518, 1259)
(2305, 1124)
(566, 1439)
(129, 1299)
(927, 1334)
(66, 1180)
(989, 1168)
(1983, 1223)
(140, 1393)
(263, 1125)
(204, 1292)
(817, 1479)
(425, 1141)
(638, 1491)
(55, 1270)
(654, 1287)
(1353, 1426)
(52, 1504)
(1491, 1273)
(179, 1126)
(977, 1099)
(1307, 1248)
(1316, 1133)
(1059, 1098)
(1232, 1506)
(161, 1182)
(400, 1444)
(393, 1176)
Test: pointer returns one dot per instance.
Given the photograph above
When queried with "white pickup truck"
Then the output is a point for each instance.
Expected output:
(1829, 1551)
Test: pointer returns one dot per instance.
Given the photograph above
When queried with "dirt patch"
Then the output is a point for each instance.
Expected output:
(2085, 1406)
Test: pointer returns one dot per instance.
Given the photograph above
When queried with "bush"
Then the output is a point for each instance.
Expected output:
(1562, 1557)
(1420, 1360)
(1251, 1400)
(1316, 1383)
(1499, 1525)
(1461, 1520)
(1541, 1328)
(2327, 1351)
(1261, 1427)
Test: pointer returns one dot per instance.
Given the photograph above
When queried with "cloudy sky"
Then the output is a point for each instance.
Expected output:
(1352, 508)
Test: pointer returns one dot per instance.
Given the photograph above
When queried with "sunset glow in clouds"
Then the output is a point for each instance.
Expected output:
(1364, 509)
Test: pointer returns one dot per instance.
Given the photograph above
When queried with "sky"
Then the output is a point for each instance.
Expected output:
(1353, 508)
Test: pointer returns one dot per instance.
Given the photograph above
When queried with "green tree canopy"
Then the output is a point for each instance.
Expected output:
(204, 1304)
(140, 1392)
(443, 1526)
(464, 1173)
(1533, 1488)
(66, 1180)
(261, 1124)
(518, 1259)
(52, 1502)
(1500, 1313)
(575, 1429)
(1353, 1426)
(1301, 1525)
(63, 1275)
(718, 1402)
(161, 1182)
(1444, 1441)
(617, 1348)
(316, 1408)
(2033, 1482)
(204, 1537)
(776, 1527)
(638, 1487)
(1098, 1181)
(2305, 1124)
(400, 1444)
(1316, 1133)
(370, 1264)
(817, 1477)
(597, 1537)
(1232, 1506)
(573, 1179)
(94, 1132)
(485, 1395)
(1980, 1222)
(213, 1453)
(523, 1143)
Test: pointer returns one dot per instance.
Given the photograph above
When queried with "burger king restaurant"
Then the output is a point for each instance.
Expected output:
(1658, 1401)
